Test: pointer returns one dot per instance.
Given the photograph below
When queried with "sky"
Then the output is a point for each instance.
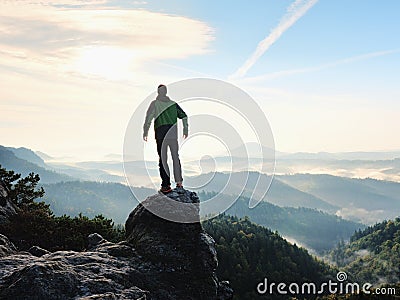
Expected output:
(324, 73)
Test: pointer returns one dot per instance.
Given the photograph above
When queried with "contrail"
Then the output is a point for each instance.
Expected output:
(294, 12)
(322, 66)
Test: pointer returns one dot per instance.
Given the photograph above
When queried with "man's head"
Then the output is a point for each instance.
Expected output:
(162, 90)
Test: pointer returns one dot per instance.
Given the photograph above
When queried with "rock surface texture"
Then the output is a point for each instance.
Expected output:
(160, 259)
(7, 208)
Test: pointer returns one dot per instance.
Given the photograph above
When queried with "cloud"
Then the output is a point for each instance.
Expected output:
(73, 71)
(362, 215)
(58, 3)
(139, 2)
(294, 12)
(37, 35)
(362, 253)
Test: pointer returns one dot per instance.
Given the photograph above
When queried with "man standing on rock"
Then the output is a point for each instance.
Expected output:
(165, 113)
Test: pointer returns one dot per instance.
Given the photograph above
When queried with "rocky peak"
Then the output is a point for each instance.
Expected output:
(185, 253)
(160, 259)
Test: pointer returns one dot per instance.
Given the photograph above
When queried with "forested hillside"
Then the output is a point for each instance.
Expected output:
(373, 254)
(298, 224)
(34, 224)
(248, 253)
(113, 200)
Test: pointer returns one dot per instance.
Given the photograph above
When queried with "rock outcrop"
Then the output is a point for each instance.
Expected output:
(7, 208)
(160, 259)
(6, 247)
(185, 253)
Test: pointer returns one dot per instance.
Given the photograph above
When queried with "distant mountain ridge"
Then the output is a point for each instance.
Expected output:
(361, 200)
(112, 200)
(355, 155)
(279, 193)
(26, 159)
(28, 155)
(11, 161)
(365, 200)
(256, 150)
(43, 155)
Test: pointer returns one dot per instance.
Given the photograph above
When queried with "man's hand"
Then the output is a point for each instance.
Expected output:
(145, 138)
(185, 136)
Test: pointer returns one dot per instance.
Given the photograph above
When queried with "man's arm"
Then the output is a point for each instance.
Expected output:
(182, 115)
(147, 122)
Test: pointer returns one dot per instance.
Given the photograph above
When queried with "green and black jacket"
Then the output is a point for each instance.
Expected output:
(165, 113)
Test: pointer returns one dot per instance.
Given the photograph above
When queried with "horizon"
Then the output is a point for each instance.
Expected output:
(325, 77)
(110, 154)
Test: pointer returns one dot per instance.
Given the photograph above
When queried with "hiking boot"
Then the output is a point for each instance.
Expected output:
(166, 189)
(179, 187)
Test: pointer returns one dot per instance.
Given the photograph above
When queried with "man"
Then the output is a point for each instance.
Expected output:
(165, 113)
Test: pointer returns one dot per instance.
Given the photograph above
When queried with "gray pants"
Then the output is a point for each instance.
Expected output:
(162, 150)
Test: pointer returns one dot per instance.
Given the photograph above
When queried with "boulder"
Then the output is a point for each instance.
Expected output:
(184, 251)
(6, 247)
(38, 251)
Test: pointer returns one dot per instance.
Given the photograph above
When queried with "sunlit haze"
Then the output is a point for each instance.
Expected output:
(325, 73)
